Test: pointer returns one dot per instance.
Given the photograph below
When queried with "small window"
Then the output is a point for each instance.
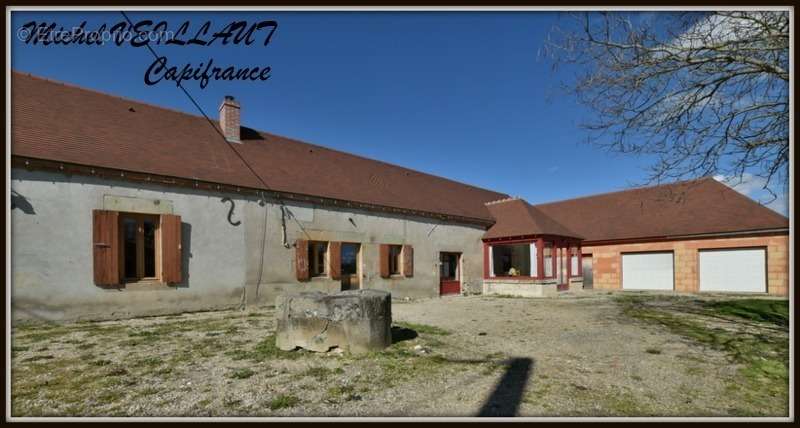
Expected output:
(317, 258)
(395, 252)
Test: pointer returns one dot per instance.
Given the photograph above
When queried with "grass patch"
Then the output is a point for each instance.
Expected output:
(268, 350)
(321, 373)
(37, 358)
(763, 355)
(241, 373)
(148, 362)
(762, 310)
(424, 328)
(343, 392)
(283, 401)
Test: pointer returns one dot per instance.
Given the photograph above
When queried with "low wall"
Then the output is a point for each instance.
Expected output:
(520, 287)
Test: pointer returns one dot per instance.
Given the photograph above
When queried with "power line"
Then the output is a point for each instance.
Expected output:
(244, 161)
(200, 109)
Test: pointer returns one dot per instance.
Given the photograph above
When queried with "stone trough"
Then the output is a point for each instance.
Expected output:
(355, 321)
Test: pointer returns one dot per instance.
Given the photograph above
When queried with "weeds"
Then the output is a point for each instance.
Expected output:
(283, 401)
(241, 373)
(763, 356)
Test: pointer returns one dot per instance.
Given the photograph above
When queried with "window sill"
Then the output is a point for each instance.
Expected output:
(145, 284)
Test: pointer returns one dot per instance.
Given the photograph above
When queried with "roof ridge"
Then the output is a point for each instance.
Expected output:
(508, 199)
(652, 186)
(196, 116)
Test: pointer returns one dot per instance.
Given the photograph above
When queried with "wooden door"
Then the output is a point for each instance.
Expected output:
(449, 273)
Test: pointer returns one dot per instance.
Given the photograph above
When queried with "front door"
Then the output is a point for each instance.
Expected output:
(350, 274)
(449, 273)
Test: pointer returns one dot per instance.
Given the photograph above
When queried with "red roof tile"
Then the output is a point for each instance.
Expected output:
(60, 122)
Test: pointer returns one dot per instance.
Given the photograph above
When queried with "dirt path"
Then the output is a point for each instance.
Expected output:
(586, 358)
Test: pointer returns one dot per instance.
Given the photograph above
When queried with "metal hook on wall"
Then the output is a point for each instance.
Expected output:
(230, 212)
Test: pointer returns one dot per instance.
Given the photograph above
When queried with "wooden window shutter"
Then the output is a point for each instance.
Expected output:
(383, 257)
(335, 259)
(301, 259)
(408, 261)
(105, 247)
(171, 249)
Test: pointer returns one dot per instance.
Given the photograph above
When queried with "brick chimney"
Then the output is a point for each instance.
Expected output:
(229, 120)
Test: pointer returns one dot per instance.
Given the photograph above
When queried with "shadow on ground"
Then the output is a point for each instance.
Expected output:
(401, 334)
(507, 395)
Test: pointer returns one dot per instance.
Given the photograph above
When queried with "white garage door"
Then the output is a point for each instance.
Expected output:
(739, 270)
(647, 271)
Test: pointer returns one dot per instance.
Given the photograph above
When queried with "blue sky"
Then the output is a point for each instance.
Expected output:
(464, 95)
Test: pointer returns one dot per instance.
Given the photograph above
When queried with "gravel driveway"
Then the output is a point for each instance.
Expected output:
(575, 355)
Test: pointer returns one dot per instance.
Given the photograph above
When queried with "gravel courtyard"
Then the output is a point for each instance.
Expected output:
(587, 354)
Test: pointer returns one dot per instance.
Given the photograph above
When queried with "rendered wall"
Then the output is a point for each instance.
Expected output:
(51, 249)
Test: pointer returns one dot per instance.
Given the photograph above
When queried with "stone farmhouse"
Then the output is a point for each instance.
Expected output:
(121, 208)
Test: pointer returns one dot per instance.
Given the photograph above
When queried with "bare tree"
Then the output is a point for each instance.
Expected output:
(703, 93)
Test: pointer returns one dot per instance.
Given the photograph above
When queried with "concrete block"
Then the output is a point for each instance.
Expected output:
(356, 321)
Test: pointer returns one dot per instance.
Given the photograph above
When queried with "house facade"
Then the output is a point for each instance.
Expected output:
(121, 208)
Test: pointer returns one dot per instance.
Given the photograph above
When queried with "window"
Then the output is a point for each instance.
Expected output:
(395, 252)
(138, 249)
(573, 258)
(548, 259)
(511, 259)
(396, 260)
(317, 257)
(131, 247)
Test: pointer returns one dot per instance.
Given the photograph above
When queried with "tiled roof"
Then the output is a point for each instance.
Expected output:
(515, 217)
(65, 123)
(703, 206)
